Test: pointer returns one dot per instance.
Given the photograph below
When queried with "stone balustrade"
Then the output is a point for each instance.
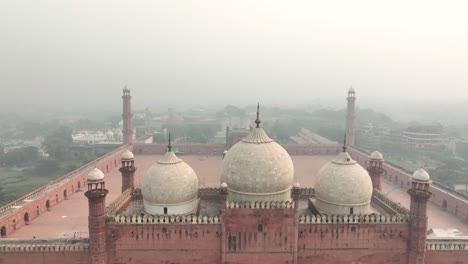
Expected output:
(123, 199)
(388, 202)
(43, 245)
(261, 205)
(308, 192)
(453, 244)
(164, 219)
(353, 219)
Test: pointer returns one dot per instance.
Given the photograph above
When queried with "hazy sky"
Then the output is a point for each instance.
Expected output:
(82, 52)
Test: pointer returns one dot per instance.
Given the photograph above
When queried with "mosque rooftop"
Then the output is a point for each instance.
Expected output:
(69, 219)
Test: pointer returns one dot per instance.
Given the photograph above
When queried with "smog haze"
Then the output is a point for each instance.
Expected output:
(82, 53)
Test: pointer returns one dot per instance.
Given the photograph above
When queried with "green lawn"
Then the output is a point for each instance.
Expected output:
(14, 184)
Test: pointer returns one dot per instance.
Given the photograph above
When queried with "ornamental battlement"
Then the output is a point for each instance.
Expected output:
(455, 244)
(44, 245)
(353, 219)
(164, 219)
(261, 205)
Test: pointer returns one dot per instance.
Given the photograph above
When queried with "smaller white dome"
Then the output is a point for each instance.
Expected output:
(224, 185)
(127, 155)
(421, 175)
(95, 175)
(297, 185)
(376, 155)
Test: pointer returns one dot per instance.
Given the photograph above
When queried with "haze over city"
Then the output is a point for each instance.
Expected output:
(78, 53)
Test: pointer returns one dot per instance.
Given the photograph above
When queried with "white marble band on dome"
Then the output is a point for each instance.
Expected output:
(171, 209)
(259, 194)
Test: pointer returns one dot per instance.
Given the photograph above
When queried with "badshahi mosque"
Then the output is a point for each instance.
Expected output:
(256, 202)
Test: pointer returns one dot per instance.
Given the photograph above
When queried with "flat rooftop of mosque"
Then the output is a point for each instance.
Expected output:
(69, 219)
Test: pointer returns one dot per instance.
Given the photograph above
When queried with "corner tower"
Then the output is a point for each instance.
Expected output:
(128, 170)
(419, 193)
(376, 169)
(96, 195)
(350, 116)
(127, 116)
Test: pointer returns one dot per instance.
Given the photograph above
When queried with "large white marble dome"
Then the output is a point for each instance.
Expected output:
(342, 186)
(257, 169)
(170, 186)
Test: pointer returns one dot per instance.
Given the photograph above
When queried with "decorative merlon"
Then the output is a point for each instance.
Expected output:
(261, 205)
(164, 219)
(455, 244)
(43, 246)
(353, 219)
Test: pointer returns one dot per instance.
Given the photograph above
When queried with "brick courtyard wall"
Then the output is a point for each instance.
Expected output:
(259, 235)
(218, 149)
(353, 243)
(43, 252)
(446, 256)
(44, 257)
(444, 198)
(164, 243)
(24, 210)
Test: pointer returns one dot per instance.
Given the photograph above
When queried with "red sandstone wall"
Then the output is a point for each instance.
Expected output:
(171, 243)
(218, 149)
(37, 206)
(187, 149)
(440, 197)
(259, 236)
(69, 257)
(446, 256)
(345, 243)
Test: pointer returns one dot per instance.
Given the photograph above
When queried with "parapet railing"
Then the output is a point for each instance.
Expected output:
(209, 191)
(449, 244)
(353, 219)
(164, 219)
(59, 245)
(308, 191)
(123, 199)
(394, 206)
(66, 176)
(261, 205)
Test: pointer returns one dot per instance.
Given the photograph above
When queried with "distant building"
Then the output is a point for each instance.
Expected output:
(423, 137)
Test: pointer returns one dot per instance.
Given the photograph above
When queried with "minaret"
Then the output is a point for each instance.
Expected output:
(376, 169)
(419, 193)
(128, 170)
(350, 116)
(96, 195)
(127, 115)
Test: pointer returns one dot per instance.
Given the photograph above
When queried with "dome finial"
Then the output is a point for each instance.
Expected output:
(257, 121)
(169, 146)
(344, 143)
